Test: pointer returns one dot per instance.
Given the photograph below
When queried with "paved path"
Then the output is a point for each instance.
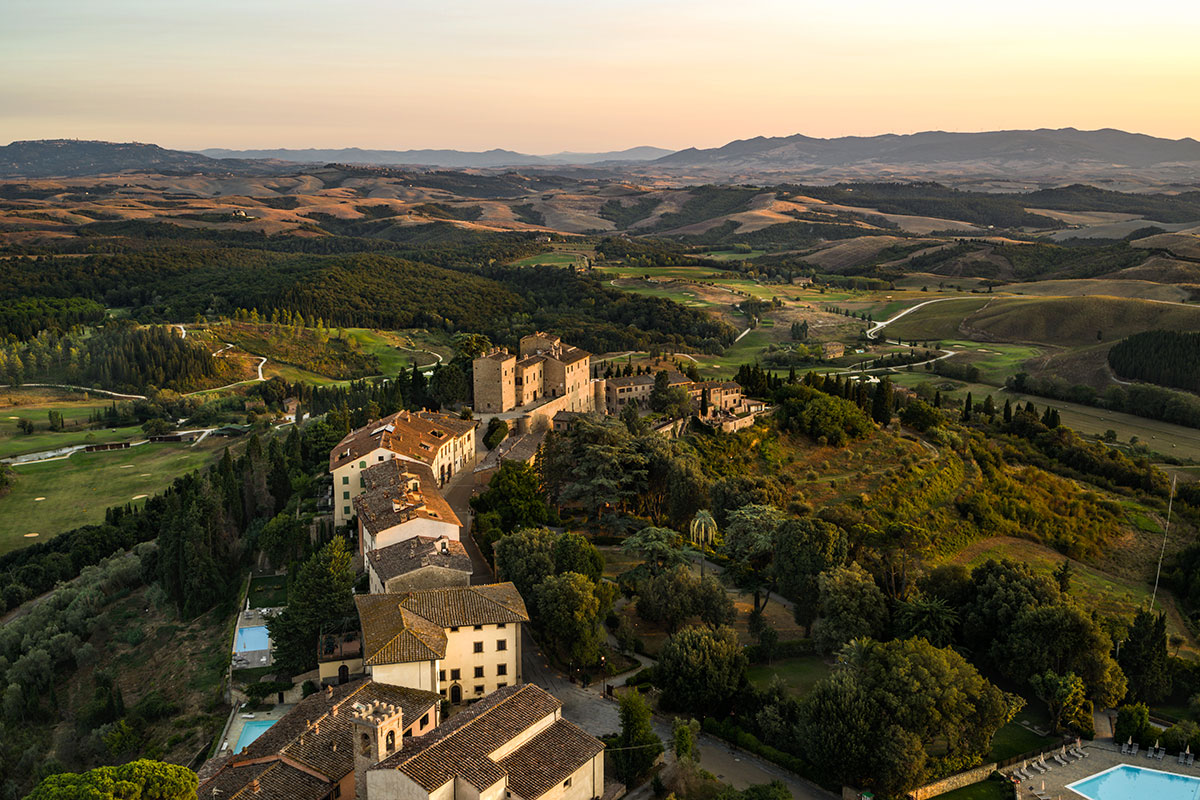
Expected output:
(878, 326)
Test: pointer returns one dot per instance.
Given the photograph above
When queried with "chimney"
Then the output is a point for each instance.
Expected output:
(329, 692)
(254, 786)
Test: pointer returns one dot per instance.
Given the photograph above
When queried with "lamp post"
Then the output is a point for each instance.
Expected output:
(603, 678)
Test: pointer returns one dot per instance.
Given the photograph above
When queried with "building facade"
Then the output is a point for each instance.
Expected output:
(513, 745)
(400, 500)
(462, 642)
(442, 442)
(544, 369)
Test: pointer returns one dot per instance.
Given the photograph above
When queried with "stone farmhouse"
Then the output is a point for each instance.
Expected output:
(371, 740)
(442, 442)
(460, 641)
(513, 745)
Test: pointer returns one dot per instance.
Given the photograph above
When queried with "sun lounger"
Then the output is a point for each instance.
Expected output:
(1133, 752)
(1182, 758)
(1191, 757)
(1059, 759)
(1041, 795)
(1079, 752)
(1162, 753)
(1124, 749)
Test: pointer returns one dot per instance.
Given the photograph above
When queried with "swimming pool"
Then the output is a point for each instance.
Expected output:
(253, 729)
(1135, 783)
(254, 638)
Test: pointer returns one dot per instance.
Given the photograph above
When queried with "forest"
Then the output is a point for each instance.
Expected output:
(1168, 358)
(933, 200)
(22, 318)
(119, 356)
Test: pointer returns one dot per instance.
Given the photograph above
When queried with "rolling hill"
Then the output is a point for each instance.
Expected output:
(438, 158)
(47, 158)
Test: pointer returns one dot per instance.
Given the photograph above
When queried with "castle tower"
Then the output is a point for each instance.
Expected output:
(378, 733)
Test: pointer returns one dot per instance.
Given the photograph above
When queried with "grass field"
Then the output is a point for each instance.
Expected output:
(935, 321)
(75, 419)
(662, 273)
(984, 790)
(76, 491)
(732, 255)
(1161, 437)
(799, 675)
(554, 259)
(1014, 739)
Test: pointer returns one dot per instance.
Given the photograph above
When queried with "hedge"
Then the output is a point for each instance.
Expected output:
(730, 732)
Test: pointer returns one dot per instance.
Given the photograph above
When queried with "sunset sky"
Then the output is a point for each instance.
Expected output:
(549, 75)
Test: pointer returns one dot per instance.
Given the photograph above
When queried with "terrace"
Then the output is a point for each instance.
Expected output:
(1101, 756)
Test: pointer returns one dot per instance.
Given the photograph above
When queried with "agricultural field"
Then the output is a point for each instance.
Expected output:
(732, 254)
(553, 259)
(1163, 437)
(51, 497)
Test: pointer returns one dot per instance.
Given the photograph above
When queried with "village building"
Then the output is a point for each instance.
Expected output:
(512, 745)
(442, 442)
(421, 562)
(546, 376)
(830, 350)
(400, 500)
(322, 748)
(460, 641)
(621, 391)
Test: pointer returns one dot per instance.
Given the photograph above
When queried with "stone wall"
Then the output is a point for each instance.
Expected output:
(956, 781)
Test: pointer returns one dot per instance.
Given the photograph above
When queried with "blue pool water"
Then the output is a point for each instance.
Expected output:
(253, 729)
(1135, 783)
(254, 638)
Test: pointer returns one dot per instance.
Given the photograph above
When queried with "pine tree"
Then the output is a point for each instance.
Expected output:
(967, 408)
(1007, 411)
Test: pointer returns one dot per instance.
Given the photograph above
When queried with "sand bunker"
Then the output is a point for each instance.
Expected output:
(38, 499)
(31, 535)
(140, 496)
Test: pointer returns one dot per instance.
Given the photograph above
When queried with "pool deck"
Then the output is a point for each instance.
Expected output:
(1101, 755)
(239, 722)
(253, 618)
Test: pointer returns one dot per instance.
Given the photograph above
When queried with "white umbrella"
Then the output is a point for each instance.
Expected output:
(1187, 750)
(1130, 740)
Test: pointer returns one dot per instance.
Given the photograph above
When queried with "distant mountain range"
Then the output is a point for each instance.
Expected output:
(454, 159)
(1002, 150)
(53, 158)
(1058, 156)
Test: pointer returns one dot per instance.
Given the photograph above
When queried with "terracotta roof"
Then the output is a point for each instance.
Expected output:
(416, 553)
(410, 626)
(632, 380)
(529, 361)
(463, 747)
(499, 355)
(414, 434)
(393, 634)
(548, 759)
(489, 604)
(569, 355)
(310, 748)
(388, 500)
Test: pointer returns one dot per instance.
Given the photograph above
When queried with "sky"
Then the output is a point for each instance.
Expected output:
(544, 76)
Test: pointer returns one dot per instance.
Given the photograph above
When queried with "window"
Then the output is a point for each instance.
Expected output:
(455, 674)
(479, 672)
(454, 629)
(391, 741)
(478, 627)
(381, 458)
(479, 647)
(441, 674)
(501, 684)
(345, 495)
(362, 482)
(424, 720)
(346, 510)
(502, 669)
(501, 625)
(502, 644)
(345, 480)
(478, 690)
(337, 791)
(566, 783)
(442, 692)
(362, 464)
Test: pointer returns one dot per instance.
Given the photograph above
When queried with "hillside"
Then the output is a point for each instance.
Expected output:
(1012, 155)
(72, 157)
(437, 158)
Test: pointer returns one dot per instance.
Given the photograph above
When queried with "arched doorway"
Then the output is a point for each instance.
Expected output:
(343, 674)
(456, 694)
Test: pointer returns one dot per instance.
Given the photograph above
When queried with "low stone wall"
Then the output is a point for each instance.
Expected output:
(956, 781)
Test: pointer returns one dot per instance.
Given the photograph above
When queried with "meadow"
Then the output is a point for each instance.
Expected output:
(51, 497)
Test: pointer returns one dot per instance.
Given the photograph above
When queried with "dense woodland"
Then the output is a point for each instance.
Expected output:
(1168, 358)
(24, 318)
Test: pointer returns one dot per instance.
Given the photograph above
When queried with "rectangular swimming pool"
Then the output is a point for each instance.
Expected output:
(253, 729)
(253, 638)
(1136, 783)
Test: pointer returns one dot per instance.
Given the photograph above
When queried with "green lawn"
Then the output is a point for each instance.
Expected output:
(13, 442)
(984, 790)
(732, 255)
(76, 491)
(1014, 739)
(798, 674)
(691, 273)
(269, 591)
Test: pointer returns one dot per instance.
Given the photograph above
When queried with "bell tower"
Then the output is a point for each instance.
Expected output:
(378, 733)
